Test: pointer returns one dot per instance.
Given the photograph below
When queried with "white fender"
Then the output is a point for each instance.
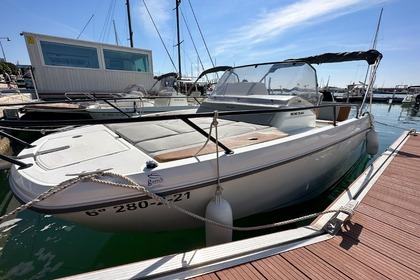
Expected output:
(218, 210)
(372, 142)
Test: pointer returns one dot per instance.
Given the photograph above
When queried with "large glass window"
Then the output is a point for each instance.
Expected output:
(58, 54)
(128, 61)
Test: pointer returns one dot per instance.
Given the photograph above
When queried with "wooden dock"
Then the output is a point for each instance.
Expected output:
(380, 241)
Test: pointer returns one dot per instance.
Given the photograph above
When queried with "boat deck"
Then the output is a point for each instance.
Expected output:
(382, 240)
(174, 139)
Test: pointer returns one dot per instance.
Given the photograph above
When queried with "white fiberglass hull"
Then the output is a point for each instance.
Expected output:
(254, 179)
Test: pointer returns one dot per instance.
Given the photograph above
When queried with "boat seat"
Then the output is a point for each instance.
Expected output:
(233, 142)
(174, 139)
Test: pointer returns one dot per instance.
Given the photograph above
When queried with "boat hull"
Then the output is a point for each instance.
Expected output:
(266, 190)
(272, 175)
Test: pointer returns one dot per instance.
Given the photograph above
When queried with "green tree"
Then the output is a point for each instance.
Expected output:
(13, 68)
(8, 67)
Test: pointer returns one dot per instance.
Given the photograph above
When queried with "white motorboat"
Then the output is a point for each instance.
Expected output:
(162, 97)
(134, 101)
(14, 98)
(412, 97)
(143, 174)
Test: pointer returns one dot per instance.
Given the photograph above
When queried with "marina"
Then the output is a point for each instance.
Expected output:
(36, 244)
(265, 127)
(379, 240)
(268, 157)
(285, 118)
(253, 104)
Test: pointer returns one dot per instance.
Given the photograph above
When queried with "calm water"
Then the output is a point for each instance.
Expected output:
(34, 246)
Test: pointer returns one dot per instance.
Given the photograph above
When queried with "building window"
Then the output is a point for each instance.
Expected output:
(58, 54)
(128, 61)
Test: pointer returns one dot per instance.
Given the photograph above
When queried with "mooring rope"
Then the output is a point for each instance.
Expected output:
(390, 125)
(133, 185)
(48, 193)
(93, 176)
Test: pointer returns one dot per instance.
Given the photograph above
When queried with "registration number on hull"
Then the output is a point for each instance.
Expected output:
(140, 205)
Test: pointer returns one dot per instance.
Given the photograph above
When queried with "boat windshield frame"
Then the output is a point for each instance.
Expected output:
(274, 79)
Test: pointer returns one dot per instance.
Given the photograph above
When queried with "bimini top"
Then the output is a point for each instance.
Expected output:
(370, 56)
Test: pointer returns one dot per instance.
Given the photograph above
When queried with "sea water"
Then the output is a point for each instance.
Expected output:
(35, 246)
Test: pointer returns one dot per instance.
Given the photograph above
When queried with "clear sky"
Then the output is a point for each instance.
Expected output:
(236, 32)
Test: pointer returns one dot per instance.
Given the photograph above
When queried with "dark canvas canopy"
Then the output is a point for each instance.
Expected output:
(214, 70)
(370, 56)
(171, 74)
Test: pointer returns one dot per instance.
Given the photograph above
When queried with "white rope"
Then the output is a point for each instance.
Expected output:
(169, 204)
(219, 189)
(207, 141)
(47, 194)
(133, 185)
(412, 130)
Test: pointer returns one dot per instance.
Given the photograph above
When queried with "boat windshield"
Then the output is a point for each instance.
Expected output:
(281, 78)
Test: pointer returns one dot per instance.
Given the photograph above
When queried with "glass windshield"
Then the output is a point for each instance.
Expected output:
(282, 78)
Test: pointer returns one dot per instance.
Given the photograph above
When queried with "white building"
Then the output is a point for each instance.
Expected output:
(63, 65)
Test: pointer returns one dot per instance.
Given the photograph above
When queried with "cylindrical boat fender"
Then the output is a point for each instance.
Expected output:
(218, 210)
(372, 142)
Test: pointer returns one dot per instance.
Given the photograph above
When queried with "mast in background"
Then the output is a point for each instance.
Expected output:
(178, 2)
(129, 23)
(115, 33)
(377, 30)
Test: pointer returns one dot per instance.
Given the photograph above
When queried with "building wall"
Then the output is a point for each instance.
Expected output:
(53, 81)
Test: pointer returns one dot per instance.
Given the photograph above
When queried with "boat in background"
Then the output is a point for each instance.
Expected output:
(412, 97)
(165, 95)
(254, 145)
(134, 101)
(10, 102)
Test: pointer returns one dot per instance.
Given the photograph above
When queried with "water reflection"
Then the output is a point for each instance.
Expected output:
(38, 246)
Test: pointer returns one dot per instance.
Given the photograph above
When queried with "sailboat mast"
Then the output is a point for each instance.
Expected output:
(115, 33)
(368, 68)
(178, 2)
(377, 30)
(129, 23)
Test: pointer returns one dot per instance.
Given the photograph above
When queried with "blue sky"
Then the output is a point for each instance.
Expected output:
(236, 32)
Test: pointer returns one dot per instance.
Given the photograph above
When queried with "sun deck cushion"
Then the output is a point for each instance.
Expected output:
(176, 139)
(233, 142)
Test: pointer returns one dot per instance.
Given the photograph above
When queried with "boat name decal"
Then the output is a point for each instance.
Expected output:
(141, 204)
(154, 180)
(297, 113)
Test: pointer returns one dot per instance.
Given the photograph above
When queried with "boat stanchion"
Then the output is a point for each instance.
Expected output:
(218, 210)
